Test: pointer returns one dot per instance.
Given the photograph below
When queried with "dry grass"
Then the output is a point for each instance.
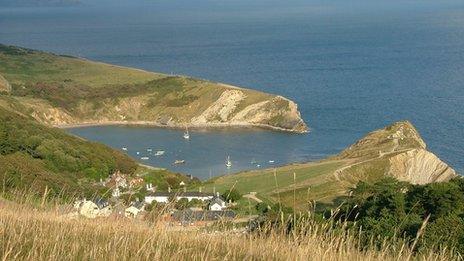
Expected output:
(44, 233)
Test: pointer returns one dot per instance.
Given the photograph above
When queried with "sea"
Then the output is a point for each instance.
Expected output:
(352, 67)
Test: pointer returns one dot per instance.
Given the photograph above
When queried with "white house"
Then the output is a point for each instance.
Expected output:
(131, 212)
(217, 204)
(90, 209)
(116, 193)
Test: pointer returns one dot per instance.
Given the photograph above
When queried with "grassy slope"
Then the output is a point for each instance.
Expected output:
(31, 232)
(87, 91)
(34, 156)
(326, 180)
(280, 186)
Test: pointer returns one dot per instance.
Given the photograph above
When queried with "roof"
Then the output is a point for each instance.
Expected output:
(137, 204)
(217, 200)
(181, 194)
(101, 203)
(205, 215)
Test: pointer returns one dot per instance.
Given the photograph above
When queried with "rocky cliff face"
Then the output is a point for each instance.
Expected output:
(419, 166)
(397, 151)
(231, 109)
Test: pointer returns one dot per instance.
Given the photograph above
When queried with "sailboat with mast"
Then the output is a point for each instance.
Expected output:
(186, 134)
(228, 162)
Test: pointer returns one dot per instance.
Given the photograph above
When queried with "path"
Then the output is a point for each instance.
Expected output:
(339, 171)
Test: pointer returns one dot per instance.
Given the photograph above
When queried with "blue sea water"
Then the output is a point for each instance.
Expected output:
(352, 66)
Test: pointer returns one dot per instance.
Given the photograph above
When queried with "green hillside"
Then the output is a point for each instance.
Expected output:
(63, 90)
(33, 156)
(394, 151)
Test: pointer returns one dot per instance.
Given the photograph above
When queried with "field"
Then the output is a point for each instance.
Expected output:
(42, 231)
(311, 181)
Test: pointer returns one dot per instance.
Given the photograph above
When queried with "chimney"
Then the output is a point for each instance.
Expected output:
(217, 194)
(169, 189)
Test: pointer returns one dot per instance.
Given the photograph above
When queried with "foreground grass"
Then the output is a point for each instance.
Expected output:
(44, 233)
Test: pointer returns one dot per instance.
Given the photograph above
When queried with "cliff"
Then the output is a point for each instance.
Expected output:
(394, 151)
(398, 151)
(63, 91)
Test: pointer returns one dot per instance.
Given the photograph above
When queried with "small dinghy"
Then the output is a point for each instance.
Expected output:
(159, 153)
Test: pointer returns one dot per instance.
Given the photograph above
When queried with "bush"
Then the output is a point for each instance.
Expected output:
(231, 195)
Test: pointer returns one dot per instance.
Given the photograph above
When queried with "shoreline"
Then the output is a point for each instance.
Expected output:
(178, 126)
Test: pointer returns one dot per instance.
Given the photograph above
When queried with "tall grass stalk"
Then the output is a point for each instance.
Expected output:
(33, 231)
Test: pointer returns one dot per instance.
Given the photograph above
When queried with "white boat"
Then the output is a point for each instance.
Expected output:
(144, 158)
(179, 162)
(271, 161)
(186, 134)
(228, 162)
(159, 153)
(138, 153)
(124, 148)
(149, 150)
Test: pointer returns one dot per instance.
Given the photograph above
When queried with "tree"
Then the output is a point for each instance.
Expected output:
(232, 195)
(181, 204)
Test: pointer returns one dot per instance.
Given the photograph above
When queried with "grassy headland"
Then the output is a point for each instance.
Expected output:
(63, 90)
(394, 151)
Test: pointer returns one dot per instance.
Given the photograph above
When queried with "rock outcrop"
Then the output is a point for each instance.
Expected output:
(419, 166)
(397, 151)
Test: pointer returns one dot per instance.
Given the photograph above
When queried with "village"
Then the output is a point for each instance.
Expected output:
(175, 207)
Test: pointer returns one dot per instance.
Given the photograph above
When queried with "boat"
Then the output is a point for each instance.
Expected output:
(186, 134)
(159, 153)
(144, 158)
(179, 162)
(124, 148)
(228, 162)
(149, 150)
(138, 153)
(271, 161)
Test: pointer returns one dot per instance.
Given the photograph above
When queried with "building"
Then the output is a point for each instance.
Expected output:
(93, 209)
(117, 180)
(217, 204)
(136, 182)
(131, 212)
(164, 197)
(116, 193)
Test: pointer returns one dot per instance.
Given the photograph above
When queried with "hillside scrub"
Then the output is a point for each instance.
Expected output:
(35, 155)
(389, 209)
